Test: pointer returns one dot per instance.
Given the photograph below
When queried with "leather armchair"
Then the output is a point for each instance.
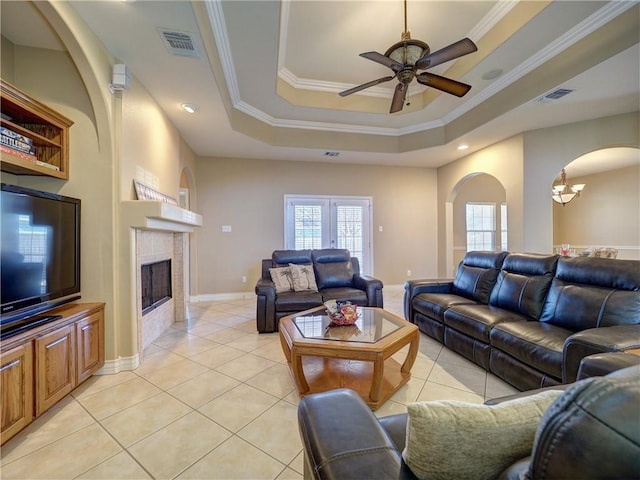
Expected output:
(591, 431)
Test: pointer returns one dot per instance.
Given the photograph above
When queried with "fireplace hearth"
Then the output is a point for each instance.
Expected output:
(155, 284)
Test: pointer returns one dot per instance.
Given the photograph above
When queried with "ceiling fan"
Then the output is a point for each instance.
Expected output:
(408, 56)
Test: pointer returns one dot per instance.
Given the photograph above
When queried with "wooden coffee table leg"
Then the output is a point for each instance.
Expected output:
(376, 381)
(286, 349)
(412, 353)
(298, 372)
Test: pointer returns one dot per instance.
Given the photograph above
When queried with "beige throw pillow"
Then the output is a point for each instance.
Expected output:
(304, 278)
(282, 278)
(451, 439)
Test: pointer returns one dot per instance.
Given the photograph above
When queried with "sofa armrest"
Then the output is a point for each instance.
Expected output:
(265, 305)
(372, 286)
(601, 364)
(415, 287)
(596, 340)
(343, 439)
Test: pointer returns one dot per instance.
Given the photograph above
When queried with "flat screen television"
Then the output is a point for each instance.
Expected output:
(39, 256)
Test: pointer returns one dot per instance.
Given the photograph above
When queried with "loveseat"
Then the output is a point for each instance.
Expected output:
(321, 275)
(589, 430)
(528, 318)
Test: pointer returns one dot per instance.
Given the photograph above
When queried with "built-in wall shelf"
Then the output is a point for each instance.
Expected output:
(46, 128)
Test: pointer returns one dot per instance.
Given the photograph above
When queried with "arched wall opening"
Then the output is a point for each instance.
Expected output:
(479, 188)
(606, 215)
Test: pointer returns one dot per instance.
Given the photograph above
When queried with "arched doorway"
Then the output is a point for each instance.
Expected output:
(607, 212)
(476, 194)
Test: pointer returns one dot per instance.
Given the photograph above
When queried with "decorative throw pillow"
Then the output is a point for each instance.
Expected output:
(303, 278)
(451, 439)
(282, 278)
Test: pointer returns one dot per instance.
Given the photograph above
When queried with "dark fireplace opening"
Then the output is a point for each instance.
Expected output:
(156, 284)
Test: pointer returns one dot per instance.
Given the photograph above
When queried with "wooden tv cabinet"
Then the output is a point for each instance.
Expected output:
(40, 366)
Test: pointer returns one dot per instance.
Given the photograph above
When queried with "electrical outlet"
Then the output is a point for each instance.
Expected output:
(243, 279)
(408, 273)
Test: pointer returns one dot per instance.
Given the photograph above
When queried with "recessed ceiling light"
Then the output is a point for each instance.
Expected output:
(189, 107)
(463, 146)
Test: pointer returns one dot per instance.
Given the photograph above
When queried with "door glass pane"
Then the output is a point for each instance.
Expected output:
(307, 232)
(349, 235)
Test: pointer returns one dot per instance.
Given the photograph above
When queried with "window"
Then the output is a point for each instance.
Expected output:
(504, 246)
(330, 222)
(481, 226)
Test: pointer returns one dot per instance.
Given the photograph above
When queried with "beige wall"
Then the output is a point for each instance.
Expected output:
(548, 150)
(90, 168)
(481, 188)
(503, 161)
(112, 136)
(607, 214)
(249, 196)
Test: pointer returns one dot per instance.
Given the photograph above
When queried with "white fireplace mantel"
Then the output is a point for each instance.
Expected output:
(161, 216)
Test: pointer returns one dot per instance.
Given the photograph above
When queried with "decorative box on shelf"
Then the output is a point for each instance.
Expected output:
(36, 124)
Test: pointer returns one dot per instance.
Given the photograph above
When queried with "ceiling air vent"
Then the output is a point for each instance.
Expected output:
(180, 43)
(555, 95)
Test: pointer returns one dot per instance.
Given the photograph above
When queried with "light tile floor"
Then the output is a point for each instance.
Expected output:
(212, 399)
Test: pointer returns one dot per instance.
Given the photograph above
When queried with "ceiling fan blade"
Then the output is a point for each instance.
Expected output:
(455, 50)
(384, 60)
(365, 85)
(447, 85)
(398, 97)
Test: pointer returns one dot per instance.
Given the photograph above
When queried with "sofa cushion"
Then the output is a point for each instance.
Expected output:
(452, 439)
(476, 275)
(304, 277)
(297, 301)
(285, 257)
(282, 278)
(477, 320)
(593, 292)
(353, 295)
(434, 305)
(592, 431)
(536, 344)
(523, 283)
(334, 274)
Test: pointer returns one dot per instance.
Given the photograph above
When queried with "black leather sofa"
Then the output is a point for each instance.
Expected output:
(337, 276)
(590, 432)
(528, 318)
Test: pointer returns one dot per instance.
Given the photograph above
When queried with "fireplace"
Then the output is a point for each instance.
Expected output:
(158, 233)
(155, 282)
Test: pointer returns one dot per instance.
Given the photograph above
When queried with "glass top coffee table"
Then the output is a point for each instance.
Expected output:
(323, 357)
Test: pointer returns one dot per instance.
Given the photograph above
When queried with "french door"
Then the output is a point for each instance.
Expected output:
(330, 222)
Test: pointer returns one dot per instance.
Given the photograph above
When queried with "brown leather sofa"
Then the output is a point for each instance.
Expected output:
(337, 276)
(528, 318)
(590, 432)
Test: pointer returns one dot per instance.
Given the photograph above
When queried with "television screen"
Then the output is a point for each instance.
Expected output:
(39, 253)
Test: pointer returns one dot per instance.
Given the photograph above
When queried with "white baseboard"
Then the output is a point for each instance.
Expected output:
(119, 365)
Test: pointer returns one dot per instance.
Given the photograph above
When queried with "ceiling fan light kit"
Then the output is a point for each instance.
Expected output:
(408, 56)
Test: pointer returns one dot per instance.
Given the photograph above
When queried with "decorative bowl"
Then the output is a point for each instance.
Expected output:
(341, 313)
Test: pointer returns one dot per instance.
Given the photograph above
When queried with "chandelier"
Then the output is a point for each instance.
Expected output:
(564, 192)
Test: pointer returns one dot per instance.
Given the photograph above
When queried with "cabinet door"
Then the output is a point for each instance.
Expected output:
(90, 345)
(16, 377)
(55, 367)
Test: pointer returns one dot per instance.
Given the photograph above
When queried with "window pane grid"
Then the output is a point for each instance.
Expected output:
(481, 226)
(307, 227)
(503, 227)
(349, 230)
